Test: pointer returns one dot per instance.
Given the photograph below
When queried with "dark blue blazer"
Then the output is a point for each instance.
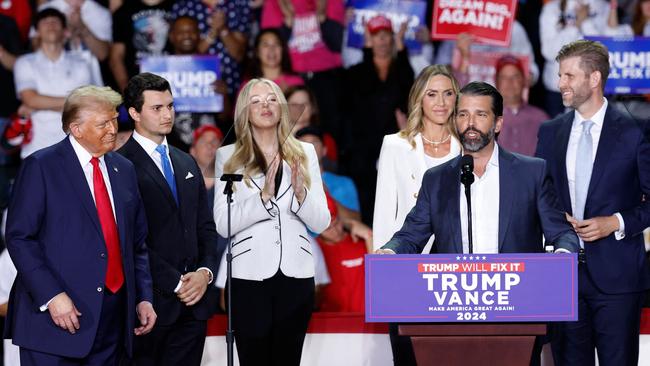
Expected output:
(182, 237)
(619, 180)
(55, 240)
(527, 209)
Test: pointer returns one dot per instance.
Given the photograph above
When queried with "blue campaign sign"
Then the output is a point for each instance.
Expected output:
(398, 11)
(471, 288)
(629, 61)
(191, 78)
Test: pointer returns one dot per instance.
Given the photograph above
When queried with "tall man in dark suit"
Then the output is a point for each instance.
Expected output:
(182, 237)
(76, 231)
(513, 200)
(600, 163)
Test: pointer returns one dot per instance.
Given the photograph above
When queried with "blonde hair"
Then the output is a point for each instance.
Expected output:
(83, 96)
(244, 155)
(415, 123)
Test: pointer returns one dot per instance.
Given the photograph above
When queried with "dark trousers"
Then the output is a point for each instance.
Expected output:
(401, 346)
(270, 319)
(180, 343)
(608, 322)
(108, 347)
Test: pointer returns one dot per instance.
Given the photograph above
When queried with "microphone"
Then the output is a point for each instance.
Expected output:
(467, 178)
(467, 170)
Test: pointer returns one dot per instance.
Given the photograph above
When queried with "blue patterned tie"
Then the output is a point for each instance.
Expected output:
(167, 170)
(584, 165)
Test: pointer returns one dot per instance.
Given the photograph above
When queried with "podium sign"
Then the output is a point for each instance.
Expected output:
(471, 288)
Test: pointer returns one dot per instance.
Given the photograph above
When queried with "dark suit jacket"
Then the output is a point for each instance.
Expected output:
(55, 240)
(527, 209)
(619, 180)
(182, 238)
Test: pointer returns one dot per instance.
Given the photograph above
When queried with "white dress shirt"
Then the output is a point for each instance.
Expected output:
(572, 149)
(150, 148)
(485, 209)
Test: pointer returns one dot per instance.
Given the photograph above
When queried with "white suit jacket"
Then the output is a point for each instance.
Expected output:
(399, 175)
(272, 237)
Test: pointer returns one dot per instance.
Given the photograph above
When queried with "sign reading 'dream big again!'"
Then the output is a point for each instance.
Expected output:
(465, 288)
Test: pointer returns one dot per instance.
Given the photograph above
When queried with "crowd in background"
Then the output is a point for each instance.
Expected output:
(344, 100)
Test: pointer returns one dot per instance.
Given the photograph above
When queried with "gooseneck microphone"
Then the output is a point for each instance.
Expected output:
(467, 178)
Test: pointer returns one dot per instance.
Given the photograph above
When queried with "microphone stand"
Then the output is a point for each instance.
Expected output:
(468, 196)
(229, 179)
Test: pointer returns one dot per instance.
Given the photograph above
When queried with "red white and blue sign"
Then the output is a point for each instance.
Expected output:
(471, 288)
(192, 80)
(412, 12)
(629, 62)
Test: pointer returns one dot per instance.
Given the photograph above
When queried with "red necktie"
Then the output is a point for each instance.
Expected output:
(114, 274)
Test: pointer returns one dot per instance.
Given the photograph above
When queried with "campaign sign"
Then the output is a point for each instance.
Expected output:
(191, 78)
(629, 62)
(398, 11)
(489, 21)
(471, 288)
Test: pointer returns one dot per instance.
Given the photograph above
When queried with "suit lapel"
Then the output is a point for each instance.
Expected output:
(452, 175)
(562, 140)
(181, 174)
(506, 189)
(608, 137)
(119, 196)
(78, 181)
(143, 161)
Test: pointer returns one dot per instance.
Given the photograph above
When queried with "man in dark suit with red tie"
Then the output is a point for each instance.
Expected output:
(600, 163)
(76, 231)
(182, 238)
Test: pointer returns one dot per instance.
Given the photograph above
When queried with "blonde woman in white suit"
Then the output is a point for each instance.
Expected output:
(429, 139)
(279, 200)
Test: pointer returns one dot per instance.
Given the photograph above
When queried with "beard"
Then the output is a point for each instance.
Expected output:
(580, 95)
(477, 143)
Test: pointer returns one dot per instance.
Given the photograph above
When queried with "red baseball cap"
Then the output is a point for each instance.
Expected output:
(509, 60)
(203, 129)
(379, 23)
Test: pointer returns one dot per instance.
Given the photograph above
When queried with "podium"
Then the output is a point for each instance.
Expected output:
(504, 344)
(467, 309)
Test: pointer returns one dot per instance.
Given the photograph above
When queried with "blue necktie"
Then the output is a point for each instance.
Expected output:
(584, 165)
(167, 170)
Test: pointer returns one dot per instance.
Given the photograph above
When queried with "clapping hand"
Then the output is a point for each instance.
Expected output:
(269, 182)
(298, 181)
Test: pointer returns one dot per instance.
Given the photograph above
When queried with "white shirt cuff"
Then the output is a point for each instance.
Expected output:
(620, 233)
(44, 307)
(180, 284)
(210, 275)
(561, 250)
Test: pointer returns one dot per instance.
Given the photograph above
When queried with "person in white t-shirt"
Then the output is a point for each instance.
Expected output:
(45, 77)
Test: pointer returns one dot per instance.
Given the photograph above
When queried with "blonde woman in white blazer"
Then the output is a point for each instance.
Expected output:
(279, 200)
(429, 139)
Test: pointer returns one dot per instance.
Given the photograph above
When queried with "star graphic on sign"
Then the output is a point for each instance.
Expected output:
(458, 258)
(464, 258)
(471, 258)
(483, 257)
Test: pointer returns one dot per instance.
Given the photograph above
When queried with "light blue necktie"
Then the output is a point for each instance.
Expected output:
(167, 170)
(584, 166)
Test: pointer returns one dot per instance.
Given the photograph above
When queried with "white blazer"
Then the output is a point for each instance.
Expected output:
(399, 175)
(271, 237)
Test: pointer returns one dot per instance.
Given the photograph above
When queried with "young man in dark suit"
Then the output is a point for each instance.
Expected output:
(600, 163)
(182, 237)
